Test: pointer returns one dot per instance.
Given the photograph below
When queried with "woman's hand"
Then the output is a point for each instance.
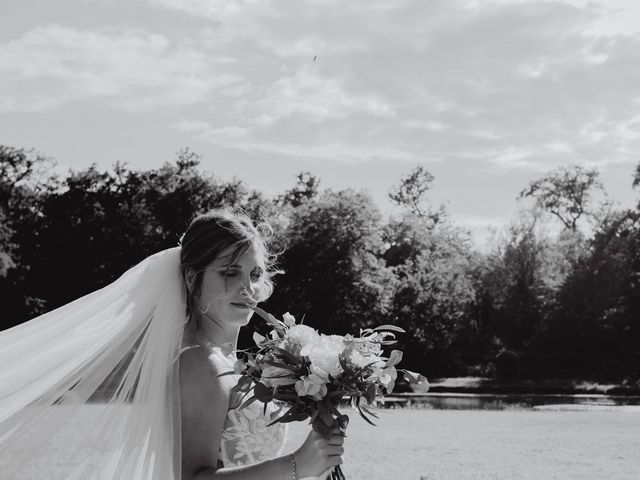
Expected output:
(319, 452)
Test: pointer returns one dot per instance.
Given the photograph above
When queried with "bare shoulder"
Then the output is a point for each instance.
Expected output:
(204, 398)
(196, 363)
(199, 368)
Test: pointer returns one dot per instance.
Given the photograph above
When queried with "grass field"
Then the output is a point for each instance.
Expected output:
(483, 444)
(426, 444)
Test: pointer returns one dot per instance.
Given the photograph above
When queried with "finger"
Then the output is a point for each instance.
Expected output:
(336, 441)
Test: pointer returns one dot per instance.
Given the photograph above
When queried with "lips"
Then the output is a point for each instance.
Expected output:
(241, 305)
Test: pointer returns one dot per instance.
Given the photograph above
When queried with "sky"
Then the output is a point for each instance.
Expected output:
(486, 95)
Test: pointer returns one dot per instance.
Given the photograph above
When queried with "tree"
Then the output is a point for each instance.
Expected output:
(411, 193)
(93, 225)
(305, 189)
(566, 193)
(595, 323)
(21, 178)
(433, 292)
(520, 289)
(334, 276)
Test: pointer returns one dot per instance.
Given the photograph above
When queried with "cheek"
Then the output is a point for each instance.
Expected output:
(212, 287)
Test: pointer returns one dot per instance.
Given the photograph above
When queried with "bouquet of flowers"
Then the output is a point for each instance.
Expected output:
(312, 374)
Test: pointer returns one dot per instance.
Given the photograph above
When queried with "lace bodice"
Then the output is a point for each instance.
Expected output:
(246, 438)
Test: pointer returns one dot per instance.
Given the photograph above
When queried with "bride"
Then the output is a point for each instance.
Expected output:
(124, 382)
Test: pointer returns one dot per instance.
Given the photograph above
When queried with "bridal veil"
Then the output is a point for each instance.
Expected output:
(90, 390)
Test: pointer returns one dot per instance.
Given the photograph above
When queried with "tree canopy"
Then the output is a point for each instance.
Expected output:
(536, 303)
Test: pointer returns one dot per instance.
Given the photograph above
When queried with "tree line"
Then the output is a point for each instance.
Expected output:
(539, 302)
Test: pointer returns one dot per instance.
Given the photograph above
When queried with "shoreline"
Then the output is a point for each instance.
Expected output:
(484, 385)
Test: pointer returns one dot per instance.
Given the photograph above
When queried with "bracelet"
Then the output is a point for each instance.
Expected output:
(295, 470)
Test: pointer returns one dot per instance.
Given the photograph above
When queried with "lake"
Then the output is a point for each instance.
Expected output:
(489, 401)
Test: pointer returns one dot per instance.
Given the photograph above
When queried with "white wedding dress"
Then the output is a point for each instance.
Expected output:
(247, 437)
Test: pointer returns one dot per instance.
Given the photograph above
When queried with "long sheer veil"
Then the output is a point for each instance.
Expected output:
(90, 390)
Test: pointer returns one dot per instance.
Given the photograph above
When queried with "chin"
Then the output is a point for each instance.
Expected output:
(243, 320)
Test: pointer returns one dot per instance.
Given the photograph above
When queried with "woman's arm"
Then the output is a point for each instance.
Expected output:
(204, 405)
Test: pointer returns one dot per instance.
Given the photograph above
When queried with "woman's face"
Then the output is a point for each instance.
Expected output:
(228, 287)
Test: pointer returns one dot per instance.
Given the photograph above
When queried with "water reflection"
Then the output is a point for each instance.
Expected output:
(465, 401)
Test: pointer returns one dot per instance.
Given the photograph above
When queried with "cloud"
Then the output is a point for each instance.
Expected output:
(134, 70)
(220, 10)
(513, 85)
(518, 85)
(335, 151)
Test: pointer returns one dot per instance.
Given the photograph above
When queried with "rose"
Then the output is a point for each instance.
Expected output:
(324, 355)
(313, 386)
(297, 337)
(357, 359)
(272, 376)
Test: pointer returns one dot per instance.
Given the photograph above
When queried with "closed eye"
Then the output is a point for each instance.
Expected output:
(229, 272)
(256, 274)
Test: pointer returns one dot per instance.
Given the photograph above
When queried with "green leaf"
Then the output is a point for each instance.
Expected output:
(286, 366)
(324, 414)
(284, 395)
(248, 402)
(364, 416)
(263, 393)
(294, 417)
(369, 411)
(343, 363)
(258, 339)
(276, 414)
(343, 422)
(391, 328)
(331, 407)
(315, 414)
(417, 379)
(242, 385)
(394, 358)
(223, 374)
(291, 415)
(290, 357)
(270, 319)
(370, 393)
(338, 393)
